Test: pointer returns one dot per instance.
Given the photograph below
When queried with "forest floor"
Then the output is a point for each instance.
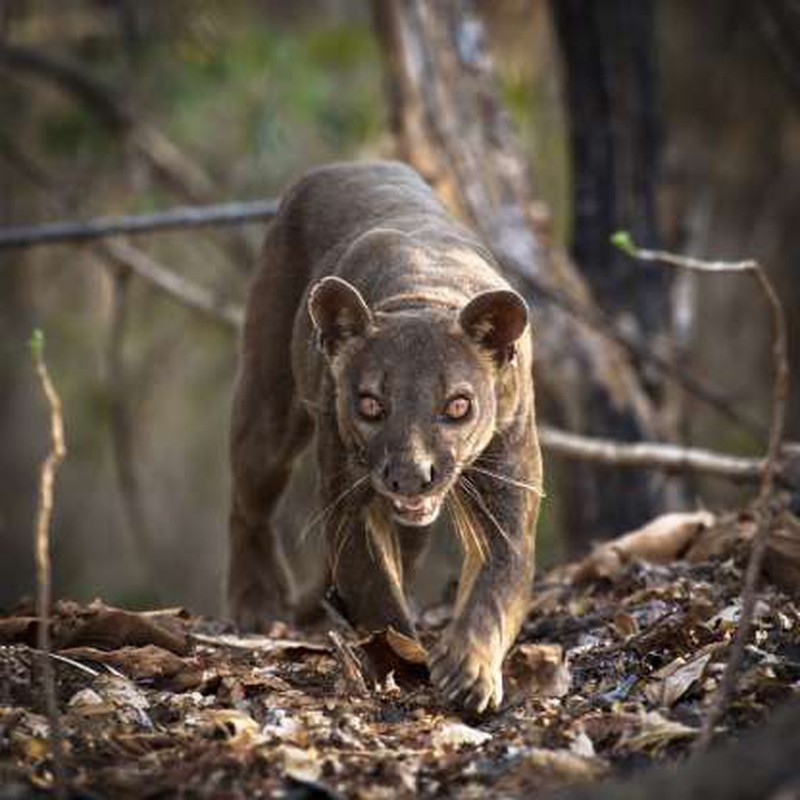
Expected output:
(613, 671)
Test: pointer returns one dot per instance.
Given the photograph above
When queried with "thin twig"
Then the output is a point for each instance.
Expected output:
(44, 515)
(122, 438)
(780, 393)
(174, 285)
(352, 672)
(595, 318)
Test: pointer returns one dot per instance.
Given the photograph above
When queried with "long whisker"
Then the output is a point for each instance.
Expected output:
(343, 540)
(474, 492)
(471, 538)
(528, 487)
(477, 534)
(322, 515)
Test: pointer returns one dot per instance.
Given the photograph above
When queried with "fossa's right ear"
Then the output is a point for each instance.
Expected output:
(338, 312)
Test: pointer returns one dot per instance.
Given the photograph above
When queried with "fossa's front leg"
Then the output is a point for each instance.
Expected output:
(366, 567)
(494, 590)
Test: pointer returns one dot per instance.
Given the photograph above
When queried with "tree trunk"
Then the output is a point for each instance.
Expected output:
(451, 126)
(613, 109)
(613, 106)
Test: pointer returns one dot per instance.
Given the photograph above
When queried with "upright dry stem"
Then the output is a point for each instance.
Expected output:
(780, 393)
(44, 515)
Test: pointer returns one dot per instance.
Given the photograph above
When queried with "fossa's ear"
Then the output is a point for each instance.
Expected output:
(495, 320)
(338, 312)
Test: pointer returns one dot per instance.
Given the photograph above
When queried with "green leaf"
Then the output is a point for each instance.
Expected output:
(624, 241)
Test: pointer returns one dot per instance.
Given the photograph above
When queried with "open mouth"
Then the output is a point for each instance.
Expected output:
(415, 511)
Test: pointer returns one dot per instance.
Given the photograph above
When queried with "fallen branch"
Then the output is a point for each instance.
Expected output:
(44, 515)
(780, 393)
(175, 286)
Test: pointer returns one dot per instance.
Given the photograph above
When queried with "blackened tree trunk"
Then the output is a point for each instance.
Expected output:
(613, 110)
(614, 114)
(451, 126)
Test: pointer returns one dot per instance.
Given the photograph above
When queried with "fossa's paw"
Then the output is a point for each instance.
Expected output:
(254, 609)
(466, 674)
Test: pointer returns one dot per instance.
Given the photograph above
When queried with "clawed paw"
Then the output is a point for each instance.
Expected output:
(467, 675)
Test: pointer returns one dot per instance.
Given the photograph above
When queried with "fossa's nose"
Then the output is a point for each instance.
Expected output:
(409, 478)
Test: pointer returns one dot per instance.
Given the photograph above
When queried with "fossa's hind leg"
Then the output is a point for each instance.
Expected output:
(269, 428)
(264, 446)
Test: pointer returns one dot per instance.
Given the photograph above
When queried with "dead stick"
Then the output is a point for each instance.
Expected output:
(352, 672)
(780, 394)
(655, 455)
(173, 285)
(44, 515)
(172, 219)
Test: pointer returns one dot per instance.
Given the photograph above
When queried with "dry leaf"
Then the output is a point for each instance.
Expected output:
(391, 652)
(582, 745)
(625, 624)
(87, 702)
(782, 559)
(263, 644)
(661, 541)
(656, 732)
(450, 735)
(110, 629)
(566, 766)
(236, 727)
(130, 703)
(22, 630)
(408, 648)
(149, 661)
(674, 680)
(300, 764)
(539, 669)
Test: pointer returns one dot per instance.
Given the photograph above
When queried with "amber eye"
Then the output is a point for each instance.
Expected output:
(458, 408)
(370, 407)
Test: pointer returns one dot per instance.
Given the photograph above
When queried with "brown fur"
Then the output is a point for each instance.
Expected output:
(368, 287)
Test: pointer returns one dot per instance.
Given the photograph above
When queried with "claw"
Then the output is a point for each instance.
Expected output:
(464, 688)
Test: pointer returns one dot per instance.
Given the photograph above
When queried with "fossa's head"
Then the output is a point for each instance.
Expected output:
(419, 393)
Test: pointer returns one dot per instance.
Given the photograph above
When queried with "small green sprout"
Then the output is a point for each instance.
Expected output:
(624, 241)
(36, 342)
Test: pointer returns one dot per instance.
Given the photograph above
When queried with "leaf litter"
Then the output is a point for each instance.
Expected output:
(613, 672)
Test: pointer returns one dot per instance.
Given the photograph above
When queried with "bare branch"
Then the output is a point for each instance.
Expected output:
(175, 286)
(595, 318)
(653, 455)
(174, 219)
(44, 515)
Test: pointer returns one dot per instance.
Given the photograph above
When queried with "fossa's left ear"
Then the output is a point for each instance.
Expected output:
(495, 320)
(338, 312)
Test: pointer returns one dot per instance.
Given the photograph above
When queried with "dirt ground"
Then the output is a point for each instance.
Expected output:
(613, 673)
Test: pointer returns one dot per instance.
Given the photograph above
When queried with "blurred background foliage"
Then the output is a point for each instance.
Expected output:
(253, 93)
